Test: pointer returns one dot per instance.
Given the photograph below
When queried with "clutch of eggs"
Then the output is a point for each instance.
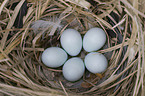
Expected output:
(72, 43)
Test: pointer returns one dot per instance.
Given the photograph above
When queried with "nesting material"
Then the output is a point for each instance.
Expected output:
(21, 71)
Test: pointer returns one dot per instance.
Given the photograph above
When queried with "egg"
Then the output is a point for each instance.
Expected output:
(94, 39)
(54, 57)
(73, 69)
(95, 62)
(71, 41)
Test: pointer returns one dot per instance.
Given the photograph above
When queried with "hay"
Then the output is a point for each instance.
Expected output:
(21, 69)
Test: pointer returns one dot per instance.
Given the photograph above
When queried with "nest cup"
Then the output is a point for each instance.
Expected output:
(25, 74)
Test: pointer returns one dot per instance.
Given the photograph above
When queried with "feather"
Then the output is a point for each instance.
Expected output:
(49, 26)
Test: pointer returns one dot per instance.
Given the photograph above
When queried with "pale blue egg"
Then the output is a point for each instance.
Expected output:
(94, 39)
(73, 69)
(96, 62)
(54, 57)
(71, 41)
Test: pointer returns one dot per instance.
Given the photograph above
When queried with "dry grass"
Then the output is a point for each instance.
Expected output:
(21, 69)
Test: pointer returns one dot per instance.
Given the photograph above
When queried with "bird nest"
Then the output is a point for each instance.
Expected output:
(29, 27)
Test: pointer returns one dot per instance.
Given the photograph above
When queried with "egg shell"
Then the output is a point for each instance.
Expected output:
(54, 57)
(73, 69)
(71, 41)
(96, 62)
(94, 39)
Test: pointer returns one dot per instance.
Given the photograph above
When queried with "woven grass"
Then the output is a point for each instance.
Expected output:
(23, 74)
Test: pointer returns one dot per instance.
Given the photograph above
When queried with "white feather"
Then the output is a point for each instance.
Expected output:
(48, 26)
